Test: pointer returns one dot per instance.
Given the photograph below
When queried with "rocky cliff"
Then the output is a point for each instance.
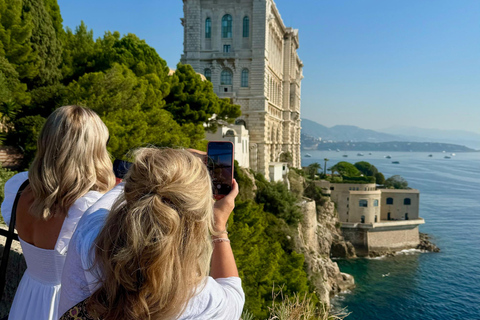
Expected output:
(317, 236)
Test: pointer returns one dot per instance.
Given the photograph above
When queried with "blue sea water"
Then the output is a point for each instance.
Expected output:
(414, 285)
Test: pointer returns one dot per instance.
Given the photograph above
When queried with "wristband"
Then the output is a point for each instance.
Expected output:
(220, 240)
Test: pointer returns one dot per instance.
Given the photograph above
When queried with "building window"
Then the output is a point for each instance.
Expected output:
(389, 217)
(376, 219)
(332, 188)
(407, 201)
(389, 200)
(208, 28)
(406, 216)
(226, 77)
(208, 74)
(246, 27)
(363, 219)
(226, 48)
(375, 203)
(227, 26)
(363, 203)
(245, 78)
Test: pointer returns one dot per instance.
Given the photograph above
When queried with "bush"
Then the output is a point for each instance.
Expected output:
(396, 182)
(278, 200)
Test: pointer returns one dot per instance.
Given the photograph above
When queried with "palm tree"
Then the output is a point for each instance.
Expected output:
(313, 169)
(325, 167)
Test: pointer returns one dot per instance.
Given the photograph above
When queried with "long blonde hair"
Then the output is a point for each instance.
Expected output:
(155, 247)
(71, 159)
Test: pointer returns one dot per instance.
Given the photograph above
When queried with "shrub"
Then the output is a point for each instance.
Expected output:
(5, 174)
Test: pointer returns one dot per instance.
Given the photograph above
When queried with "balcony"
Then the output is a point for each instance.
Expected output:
(225, 55)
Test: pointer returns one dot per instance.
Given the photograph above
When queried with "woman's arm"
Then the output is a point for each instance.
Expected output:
(223, 263)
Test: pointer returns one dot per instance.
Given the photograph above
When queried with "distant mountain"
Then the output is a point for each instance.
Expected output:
(399, 138)
(461, 137)
(345, 133)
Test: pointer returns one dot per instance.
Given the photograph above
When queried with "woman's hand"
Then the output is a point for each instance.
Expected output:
(223, 208)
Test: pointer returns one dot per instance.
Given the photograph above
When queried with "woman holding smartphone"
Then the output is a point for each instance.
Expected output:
(162, 252)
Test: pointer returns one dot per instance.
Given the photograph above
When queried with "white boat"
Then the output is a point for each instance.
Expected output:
(388, 157)
(338, 150)
(308, 155)
(453, 154)
(360, 154)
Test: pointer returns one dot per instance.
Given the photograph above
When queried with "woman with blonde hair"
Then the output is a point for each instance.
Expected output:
(71, 171)
(150, 257)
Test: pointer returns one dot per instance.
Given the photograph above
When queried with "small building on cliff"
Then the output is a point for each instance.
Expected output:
(376, 220)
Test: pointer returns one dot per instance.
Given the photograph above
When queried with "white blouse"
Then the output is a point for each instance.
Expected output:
(221, 299)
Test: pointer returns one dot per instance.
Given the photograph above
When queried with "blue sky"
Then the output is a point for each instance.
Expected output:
(369, 63)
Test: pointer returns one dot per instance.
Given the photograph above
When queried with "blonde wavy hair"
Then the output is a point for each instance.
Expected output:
(71, 159)
(155, 248)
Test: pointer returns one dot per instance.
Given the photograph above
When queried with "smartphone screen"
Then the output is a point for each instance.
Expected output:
(220, 166)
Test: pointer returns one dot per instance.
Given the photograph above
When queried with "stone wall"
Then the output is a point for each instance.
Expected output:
(393, 240)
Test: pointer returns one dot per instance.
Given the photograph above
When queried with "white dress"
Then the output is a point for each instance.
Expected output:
(38, 293)
(216, 299)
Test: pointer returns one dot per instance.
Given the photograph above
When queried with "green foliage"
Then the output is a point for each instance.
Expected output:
(366, 168)
(278, 200)
(315, 193)
(260, 258)
(27, 130)
(345, 169)
(45, 44)
(245, 183)
(296, 183)
(312, 170)
(192, 100)
(286, 157)
(379, 178)
(396, 182)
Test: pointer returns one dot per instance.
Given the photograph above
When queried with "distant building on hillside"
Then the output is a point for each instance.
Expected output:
(376, 219)
(250, 56)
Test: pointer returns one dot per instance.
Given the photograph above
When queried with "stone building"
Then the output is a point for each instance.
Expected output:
(376, 219)
(250, 56)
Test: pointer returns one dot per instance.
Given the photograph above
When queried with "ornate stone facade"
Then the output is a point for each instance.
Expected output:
(245, 50)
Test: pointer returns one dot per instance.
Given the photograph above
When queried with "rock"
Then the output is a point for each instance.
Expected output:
(426, 244)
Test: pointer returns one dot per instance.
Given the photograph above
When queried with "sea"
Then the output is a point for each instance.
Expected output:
(415, 285)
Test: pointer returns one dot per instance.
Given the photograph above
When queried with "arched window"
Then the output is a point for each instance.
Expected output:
(226, 77)
(389, 200)
(244, 78)
(363, 203)
(208, 28)
(246, 27)
(375, 203)
(227, 26)
(407, 201)
(208, 74)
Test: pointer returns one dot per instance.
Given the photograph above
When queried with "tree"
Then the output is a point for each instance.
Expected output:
(366, 168)
(312, 170)
(345, 169)
(379, 178)
(325, 166)
(192, 100)
(396, 182)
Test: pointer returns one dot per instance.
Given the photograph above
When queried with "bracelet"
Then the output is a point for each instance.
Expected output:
(220, 240)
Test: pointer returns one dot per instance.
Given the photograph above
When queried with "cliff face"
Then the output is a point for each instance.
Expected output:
(317, 236)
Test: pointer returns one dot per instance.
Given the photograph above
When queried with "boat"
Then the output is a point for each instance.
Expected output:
(360, 154)
(430, 155)
(338, 150)
(388, 157)
(369, 153)
(453, 154)
(308, 155)
(345, 155)
(396, 162)
(447, 157)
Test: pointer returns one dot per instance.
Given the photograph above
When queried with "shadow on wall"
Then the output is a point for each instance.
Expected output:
(15, 270)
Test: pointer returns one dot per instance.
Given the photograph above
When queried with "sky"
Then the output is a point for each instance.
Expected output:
(374, 64)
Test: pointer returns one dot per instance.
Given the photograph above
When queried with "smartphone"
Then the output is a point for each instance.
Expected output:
(120, 168)
(220, 166)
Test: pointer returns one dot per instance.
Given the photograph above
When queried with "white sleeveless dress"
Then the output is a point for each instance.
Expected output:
(38, 293)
